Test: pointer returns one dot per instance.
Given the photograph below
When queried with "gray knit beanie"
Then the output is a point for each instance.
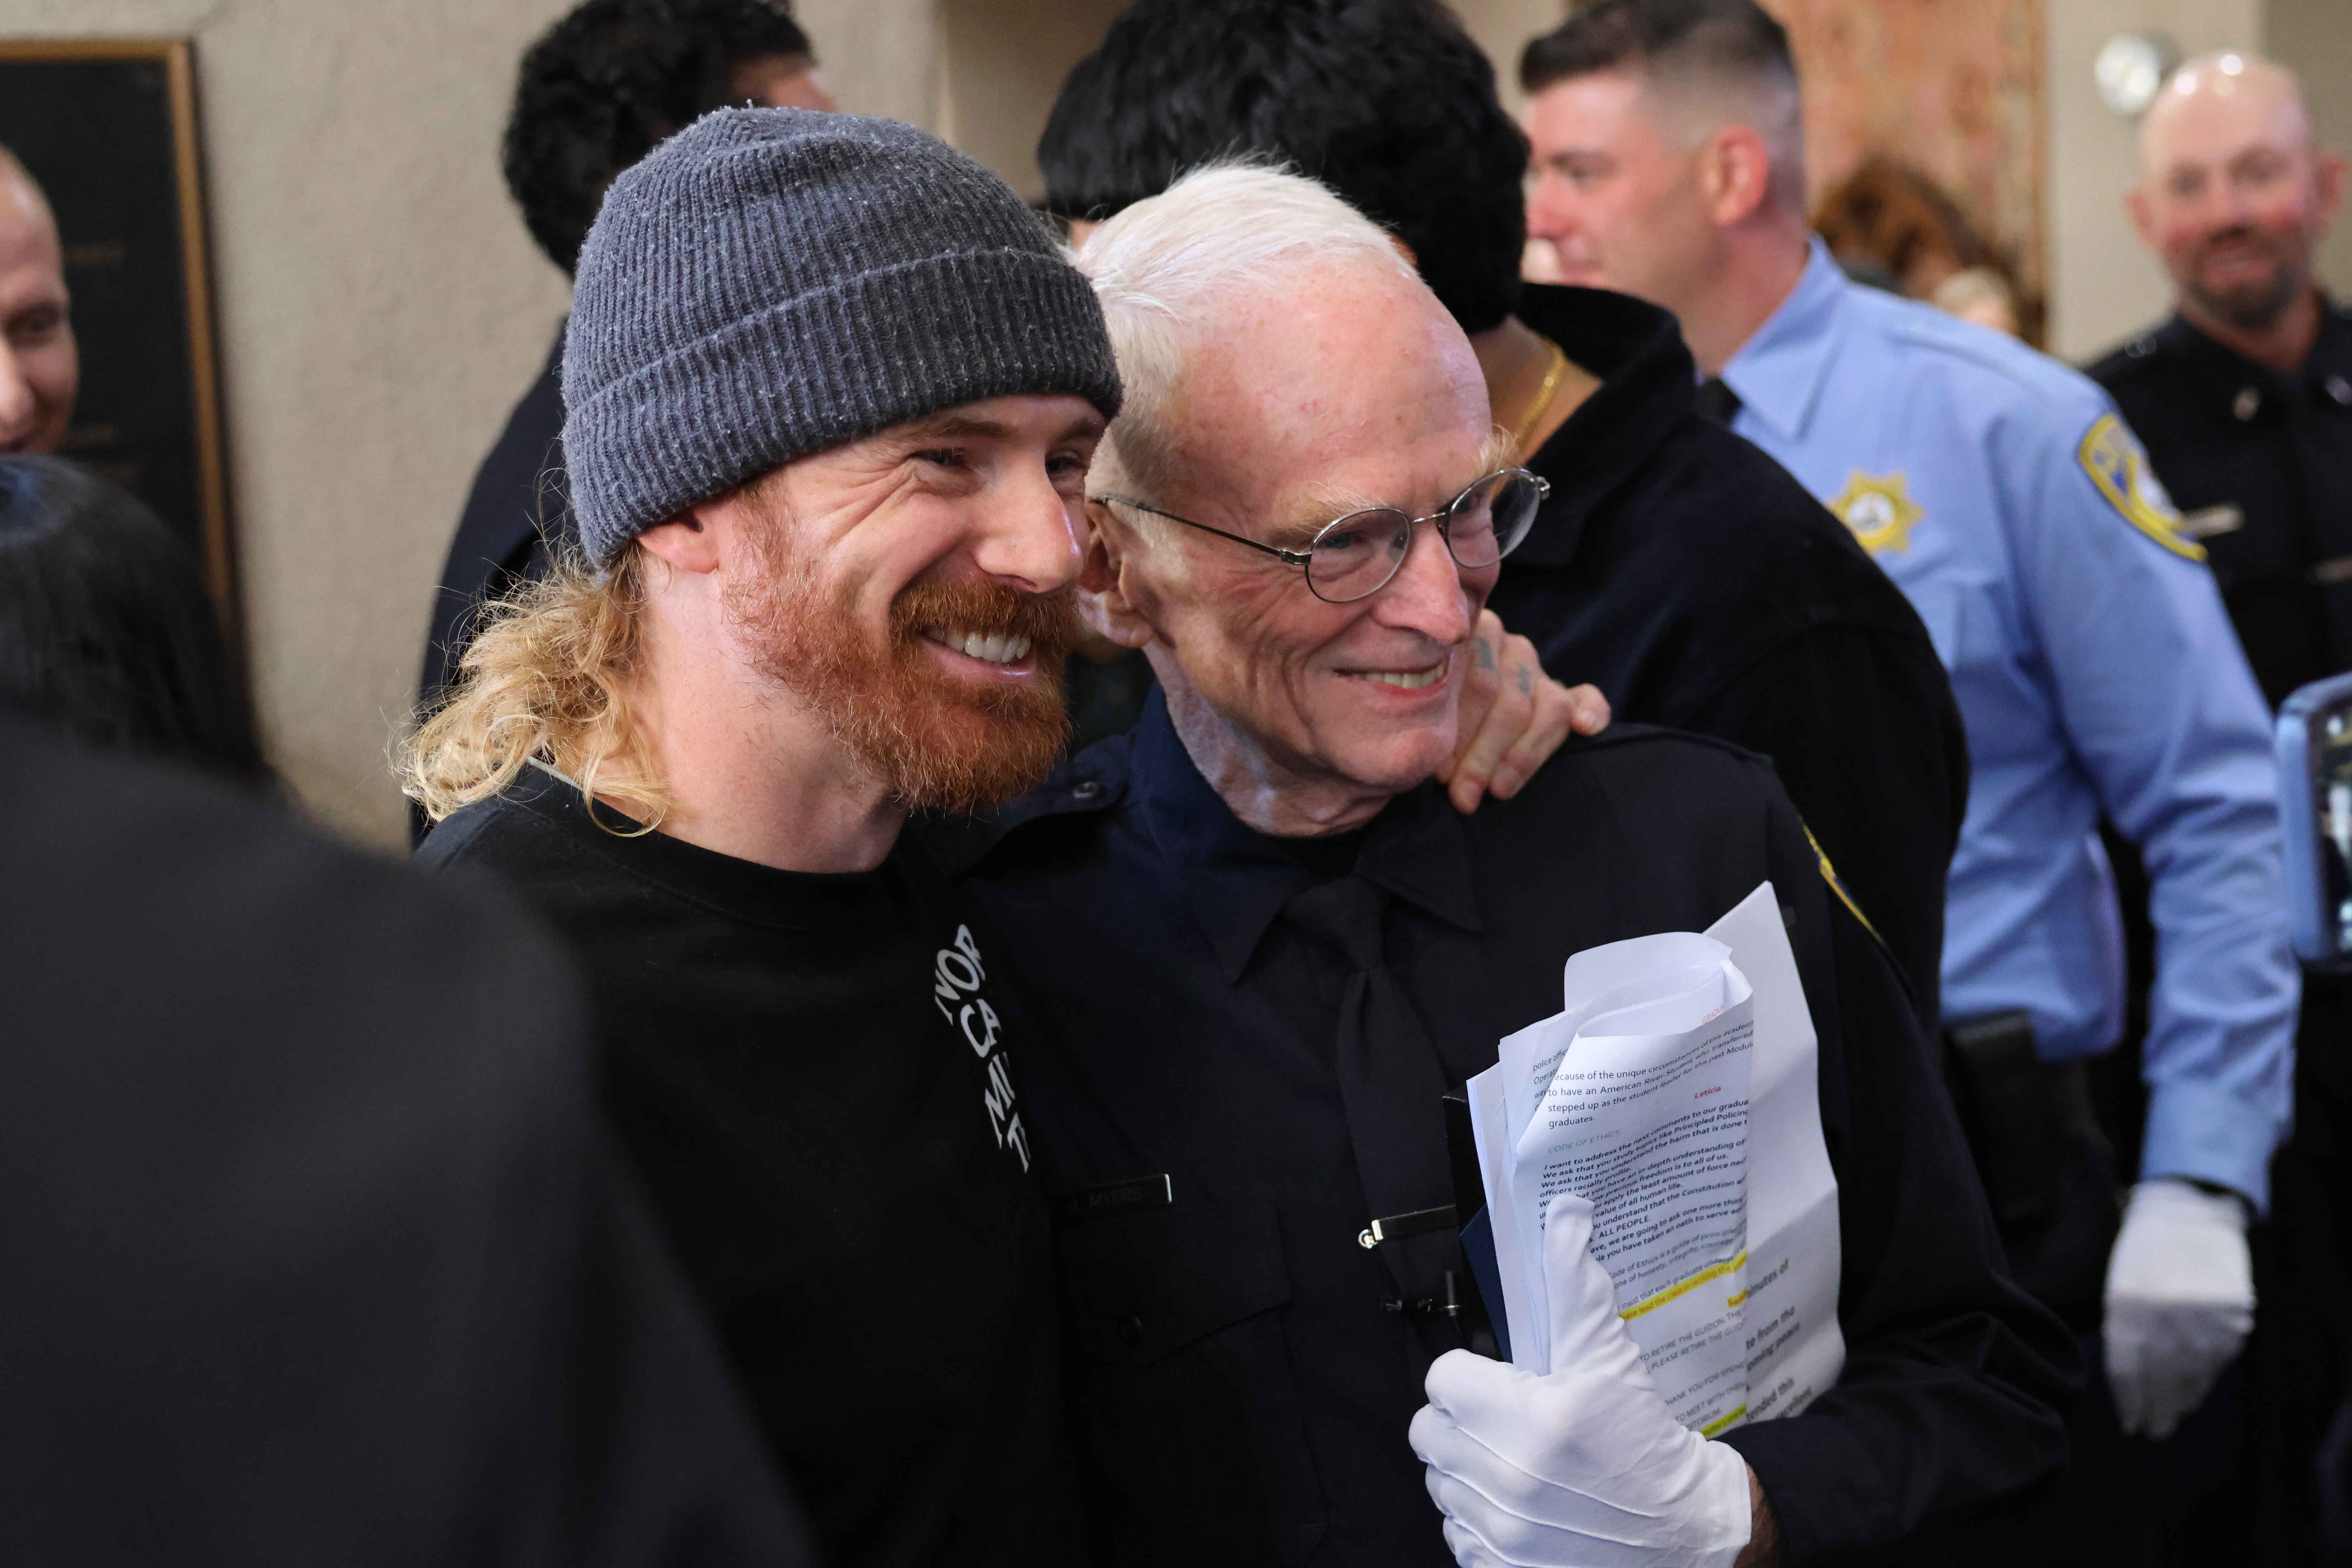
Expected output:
(774, 283)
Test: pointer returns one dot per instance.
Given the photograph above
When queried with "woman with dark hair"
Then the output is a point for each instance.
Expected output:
(105, 627)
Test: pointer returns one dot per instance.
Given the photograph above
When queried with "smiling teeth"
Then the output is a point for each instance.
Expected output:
(1410, 682)
(988, 649)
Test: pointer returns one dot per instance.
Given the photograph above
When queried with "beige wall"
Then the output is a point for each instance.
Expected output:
(2316, 37)
(1503, 28)
(381, 308)
(1002, 63)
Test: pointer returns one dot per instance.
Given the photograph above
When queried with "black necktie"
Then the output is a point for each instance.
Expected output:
(1391, 1083)
(1716, 401)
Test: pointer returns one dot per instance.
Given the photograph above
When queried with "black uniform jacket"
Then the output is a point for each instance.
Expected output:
(316, 1249)
(1239, 1395)
(518, 490)
(2259, 464)
(1699, 586)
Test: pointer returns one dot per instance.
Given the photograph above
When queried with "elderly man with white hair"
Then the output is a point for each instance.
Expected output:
(1249, 946)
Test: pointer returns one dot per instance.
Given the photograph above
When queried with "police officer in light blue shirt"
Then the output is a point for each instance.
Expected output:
(2095, 667)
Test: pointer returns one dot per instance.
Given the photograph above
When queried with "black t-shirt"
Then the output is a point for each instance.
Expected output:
(809, 1073)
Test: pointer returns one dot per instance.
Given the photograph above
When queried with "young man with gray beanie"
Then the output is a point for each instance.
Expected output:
(831, 392)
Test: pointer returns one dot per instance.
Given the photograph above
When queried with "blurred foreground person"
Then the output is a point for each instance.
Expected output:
(293, 1279)
(105, 631)
(596, 93)
(1672, 565)
(1249, 946)
(2090, 653)
(2245, 399)
(40, 368)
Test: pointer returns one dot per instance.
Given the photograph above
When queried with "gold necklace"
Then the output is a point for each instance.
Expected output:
(1542, 405)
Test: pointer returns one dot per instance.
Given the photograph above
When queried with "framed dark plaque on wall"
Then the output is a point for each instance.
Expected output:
(108, 126)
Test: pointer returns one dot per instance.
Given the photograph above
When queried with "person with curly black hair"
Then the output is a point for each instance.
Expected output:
(1674, 566)
(599, 90)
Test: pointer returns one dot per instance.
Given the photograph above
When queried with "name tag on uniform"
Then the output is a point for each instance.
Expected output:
(1133, 1195)
(2207, 521)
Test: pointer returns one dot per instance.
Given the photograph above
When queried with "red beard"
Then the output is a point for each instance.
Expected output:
(943, 744)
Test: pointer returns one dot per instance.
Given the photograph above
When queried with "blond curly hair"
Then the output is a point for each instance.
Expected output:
(546, 678)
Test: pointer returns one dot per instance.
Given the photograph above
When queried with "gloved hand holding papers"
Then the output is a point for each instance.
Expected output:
(1676, 1094)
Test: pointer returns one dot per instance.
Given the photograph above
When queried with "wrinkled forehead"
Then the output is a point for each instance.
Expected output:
(1361, 393)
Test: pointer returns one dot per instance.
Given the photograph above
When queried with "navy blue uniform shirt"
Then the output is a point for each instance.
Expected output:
(1238, 1394)
(2260, 464)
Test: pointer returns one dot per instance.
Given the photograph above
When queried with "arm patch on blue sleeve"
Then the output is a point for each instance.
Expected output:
(2118, 466)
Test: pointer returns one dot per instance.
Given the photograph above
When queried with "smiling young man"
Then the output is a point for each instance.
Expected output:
(1247, 947)
(832, 393)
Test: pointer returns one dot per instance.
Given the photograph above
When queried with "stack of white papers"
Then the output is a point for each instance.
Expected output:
(1677, 1093)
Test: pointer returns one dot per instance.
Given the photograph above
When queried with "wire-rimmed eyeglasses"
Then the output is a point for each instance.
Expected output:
(1354, 556)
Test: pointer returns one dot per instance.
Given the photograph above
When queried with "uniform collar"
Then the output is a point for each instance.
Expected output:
(1636, 350)
(1236, 880)
(1779, 371)
(2219, 372)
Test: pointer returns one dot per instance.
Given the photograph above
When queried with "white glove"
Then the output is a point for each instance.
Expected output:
(1582, 1469)
(2180, 1297)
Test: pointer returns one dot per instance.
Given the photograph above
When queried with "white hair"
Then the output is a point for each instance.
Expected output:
(1163, 267)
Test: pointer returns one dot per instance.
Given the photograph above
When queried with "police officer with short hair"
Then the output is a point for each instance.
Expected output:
(2094, 668)
(2244, 397)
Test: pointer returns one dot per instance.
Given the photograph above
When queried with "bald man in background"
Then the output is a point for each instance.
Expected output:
(2245, 399)
(40, 370)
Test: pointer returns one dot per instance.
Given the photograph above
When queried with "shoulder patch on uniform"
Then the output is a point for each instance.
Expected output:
(1829, 875)
(2114, 459)
(1878, 507)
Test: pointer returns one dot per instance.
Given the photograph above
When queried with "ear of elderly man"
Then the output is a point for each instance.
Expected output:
(838, 475)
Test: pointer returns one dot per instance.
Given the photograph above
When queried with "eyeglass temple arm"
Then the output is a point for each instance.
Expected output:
(1291, 557)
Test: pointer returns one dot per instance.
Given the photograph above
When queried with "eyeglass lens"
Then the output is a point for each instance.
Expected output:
(1356, 555)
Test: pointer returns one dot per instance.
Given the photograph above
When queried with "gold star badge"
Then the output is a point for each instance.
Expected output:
(1879, 509)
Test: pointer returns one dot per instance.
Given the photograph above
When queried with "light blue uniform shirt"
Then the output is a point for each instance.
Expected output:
(2095, 666)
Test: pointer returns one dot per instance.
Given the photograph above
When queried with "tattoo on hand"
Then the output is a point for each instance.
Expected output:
(1526, 683)
(1486, 654)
